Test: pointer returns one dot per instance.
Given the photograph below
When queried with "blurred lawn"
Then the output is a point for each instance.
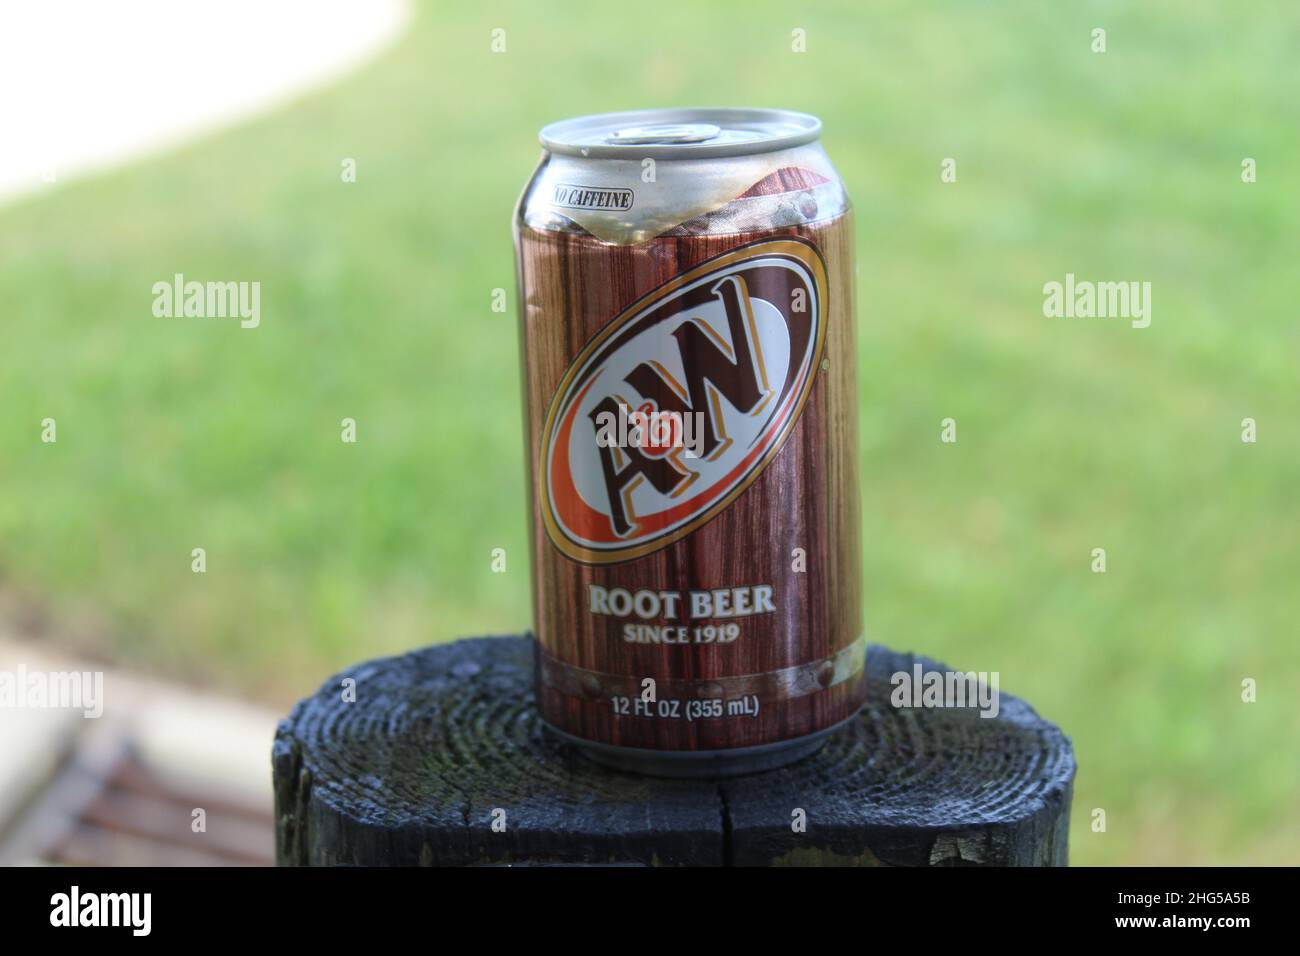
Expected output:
(1073, 434)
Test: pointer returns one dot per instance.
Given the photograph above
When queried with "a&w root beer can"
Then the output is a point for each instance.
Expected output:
(690, 393)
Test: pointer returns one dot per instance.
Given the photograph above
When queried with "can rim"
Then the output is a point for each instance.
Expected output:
(777, 129)
(706, 764)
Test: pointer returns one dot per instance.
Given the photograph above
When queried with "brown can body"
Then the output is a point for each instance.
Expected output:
(696, 580)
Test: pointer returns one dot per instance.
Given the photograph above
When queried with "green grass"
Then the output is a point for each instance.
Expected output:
(1073, 434)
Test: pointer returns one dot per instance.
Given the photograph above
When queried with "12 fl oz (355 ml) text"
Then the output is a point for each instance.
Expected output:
(712, 708)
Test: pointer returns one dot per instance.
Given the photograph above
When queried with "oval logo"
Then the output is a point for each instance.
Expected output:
(680, 402)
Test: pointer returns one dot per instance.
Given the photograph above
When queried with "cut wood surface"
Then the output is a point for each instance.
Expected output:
(441, 759)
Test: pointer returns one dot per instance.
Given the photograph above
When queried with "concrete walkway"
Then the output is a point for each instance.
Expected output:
(86, 84)
(122, 787)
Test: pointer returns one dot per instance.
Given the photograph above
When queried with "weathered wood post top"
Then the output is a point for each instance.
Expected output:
(441, 760)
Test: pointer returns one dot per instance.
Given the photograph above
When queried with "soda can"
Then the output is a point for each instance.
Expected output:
(689, 364)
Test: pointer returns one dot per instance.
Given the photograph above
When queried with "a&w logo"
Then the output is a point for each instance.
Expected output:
(734, 344)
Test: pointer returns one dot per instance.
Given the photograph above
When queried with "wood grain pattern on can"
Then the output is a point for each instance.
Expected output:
(727, 572)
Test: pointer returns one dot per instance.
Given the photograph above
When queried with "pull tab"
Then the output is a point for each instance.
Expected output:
(665, 135)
